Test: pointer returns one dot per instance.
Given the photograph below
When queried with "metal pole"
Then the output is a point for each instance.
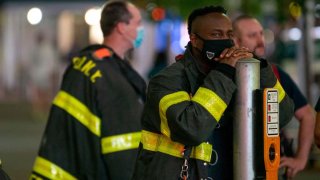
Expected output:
(308, 19)
(247, 80)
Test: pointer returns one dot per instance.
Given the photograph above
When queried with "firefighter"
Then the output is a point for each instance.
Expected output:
(93, 131)
(187, 119)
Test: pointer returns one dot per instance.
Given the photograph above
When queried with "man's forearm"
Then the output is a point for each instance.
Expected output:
(305, 116)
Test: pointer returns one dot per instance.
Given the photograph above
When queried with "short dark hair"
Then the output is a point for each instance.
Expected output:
(113, 13)
(204, 11)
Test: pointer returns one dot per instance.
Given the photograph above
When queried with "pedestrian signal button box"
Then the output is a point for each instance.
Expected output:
(271, 133)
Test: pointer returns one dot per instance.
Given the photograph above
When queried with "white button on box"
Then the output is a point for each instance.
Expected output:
(272, 96)
(272, 107)
(273, 129)
(273, 118)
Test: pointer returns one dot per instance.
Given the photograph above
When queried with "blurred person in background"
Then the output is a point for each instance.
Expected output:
(188, 118)
(93, 130)
(317, 127)
(248, 32)
(42, 73)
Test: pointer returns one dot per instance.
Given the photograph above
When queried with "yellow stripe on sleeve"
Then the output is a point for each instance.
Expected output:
(79, 111)
(210, 101)
(51, 170)
(166, 102)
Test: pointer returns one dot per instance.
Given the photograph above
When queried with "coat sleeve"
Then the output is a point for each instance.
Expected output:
(186, 118)
(286, 106)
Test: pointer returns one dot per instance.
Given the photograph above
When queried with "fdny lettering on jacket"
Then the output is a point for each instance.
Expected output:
(86, 67)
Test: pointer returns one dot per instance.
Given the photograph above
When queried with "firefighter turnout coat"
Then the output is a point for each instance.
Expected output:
(93, 130)
(190, 112)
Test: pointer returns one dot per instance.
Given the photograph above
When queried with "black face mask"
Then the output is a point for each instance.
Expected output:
(213, 48)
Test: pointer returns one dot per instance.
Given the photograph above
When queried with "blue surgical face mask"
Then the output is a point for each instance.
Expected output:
(140, 35)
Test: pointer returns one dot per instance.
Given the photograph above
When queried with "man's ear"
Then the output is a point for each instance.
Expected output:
(193, 39)
(121, 27)
(236, 41)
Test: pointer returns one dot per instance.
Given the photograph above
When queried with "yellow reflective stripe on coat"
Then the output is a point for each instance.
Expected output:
(120, 142)
(160, 143)
(281, 91)
(51, 170)
(35, 177)
(165, 103)
(210, 101)
(78, 110)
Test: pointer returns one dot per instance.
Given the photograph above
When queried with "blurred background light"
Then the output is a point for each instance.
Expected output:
(184, 36)
(158, 14)
(65, 31)
(95, 34)
(92, 16)
(316, 32)
(295, 10)
(175, 47)
(294, 34)
(34, 16)
(175, 35)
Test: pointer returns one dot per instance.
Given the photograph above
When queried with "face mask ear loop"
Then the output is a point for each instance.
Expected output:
(200, 39)
(199, 36)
